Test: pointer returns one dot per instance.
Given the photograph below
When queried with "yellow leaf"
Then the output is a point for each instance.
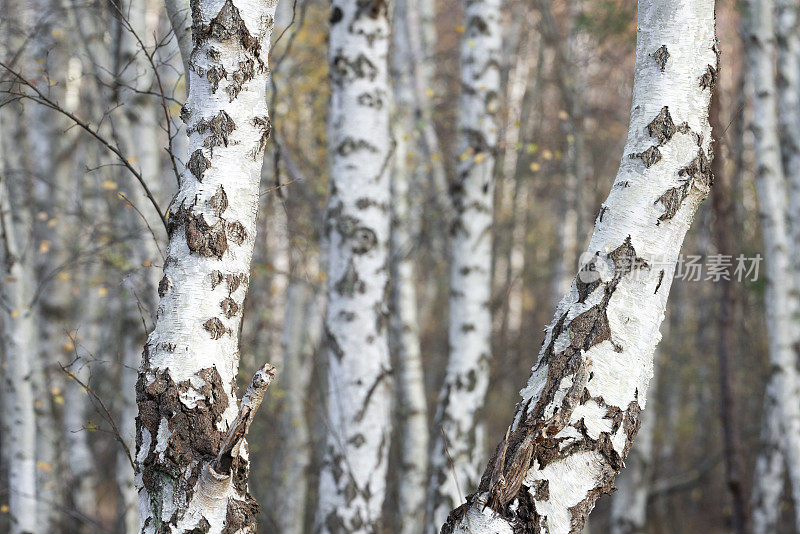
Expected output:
(44, 466)
(63, 276)
(461, 29)
(109, 185)
(69, 346)
(44, 247)
(55, 390)
(4, 509)
(547, 154)
(146, 263)
(535, 167)
(132, 159)
(563, 115)
(479, 157)
(15, 314)
(52, 222)
(102, 291)
(42, 215)
(429, 92)
(59, 399)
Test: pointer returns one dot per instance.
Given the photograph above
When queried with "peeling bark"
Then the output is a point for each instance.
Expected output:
(353, 475)
(581, 408)
(191, 472)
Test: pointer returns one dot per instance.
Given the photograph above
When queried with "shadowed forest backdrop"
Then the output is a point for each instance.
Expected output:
(92, 143)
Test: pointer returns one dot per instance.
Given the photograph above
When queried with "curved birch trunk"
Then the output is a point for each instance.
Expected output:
(411, 408)
(191, 457)
(353, 475)
(580, 410)
(466, 379)
(772, 193)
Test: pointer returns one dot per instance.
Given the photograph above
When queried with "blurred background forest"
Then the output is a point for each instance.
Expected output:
(567, 76)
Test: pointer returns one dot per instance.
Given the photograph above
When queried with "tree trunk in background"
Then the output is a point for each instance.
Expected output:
(772, 193)
(404, 343)
(48, 190)
(139, 133)
(458, 433)
(722, 206)
(353, 475)
(580, 411)
(573, 88)
(769, 472)
(629, 502)
(302, 331)
(189, 474)
(20, 337)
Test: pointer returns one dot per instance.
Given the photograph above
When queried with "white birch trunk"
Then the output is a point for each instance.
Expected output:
(411, 407)
(189, 474)
(580, 410)
(466, 379)
(353, 475)
(778, 264)
(20, 338)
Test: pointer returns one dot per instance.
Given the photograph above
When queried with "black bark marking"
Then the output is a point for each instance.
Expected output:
(336, 16)
(236, 232)
(239, 77)
(219, 201)
(215, 327)
(164, 285)
(214, 75)
(350, 145)
(661, 56)
(219, 129)
(660, 279)
(662, 127)
(672, 200)
(265, 125)
(650, 157)
(229, 307)
(709, 78)
(343, 69)
(198, 164)
(216, 279)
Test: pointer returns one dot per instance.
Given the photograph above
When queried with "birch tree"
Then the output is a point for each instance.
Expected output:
(19, 350)
(353, 475)
(412, 418)
(782, 390)
(191, 454)
(458, 430)
(581, 408)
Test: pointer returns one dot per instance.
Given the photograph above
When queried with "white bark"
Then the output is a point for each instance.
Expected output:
(411, 407)
(467, 375)
(779, 296)
(580, 410)
(353, 475)
(20, 342)
(186, 384)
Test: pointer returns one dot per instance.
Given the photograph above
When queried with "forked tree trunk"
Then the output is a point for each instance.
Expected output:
(581, 408)
(353, 475)
(190, 474)
(778, 296)
(458, 433)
